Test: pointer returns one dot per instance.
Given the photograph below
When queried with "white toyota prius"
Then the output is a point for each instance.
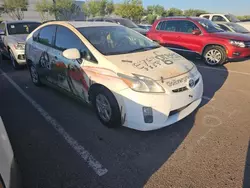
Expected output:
(130, 80)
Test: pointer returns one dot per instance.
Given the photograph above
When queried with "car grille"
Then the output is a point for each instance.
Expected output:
(181, 89)
(247, 44)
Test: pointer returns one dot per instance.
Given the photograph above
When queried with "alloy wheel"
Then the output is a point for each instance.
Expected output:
(103, 107)
(213, 57)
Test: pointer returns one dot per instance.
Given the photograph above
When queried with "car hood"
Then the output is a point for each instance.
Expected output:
(156, 64)
(140, 30)
(19, 38)
(230, 35)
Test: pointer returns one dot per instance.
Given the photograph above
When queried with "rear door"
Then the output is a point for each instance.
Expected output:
(167, 32)
(187, 40)
(70, 74)
(42, 50)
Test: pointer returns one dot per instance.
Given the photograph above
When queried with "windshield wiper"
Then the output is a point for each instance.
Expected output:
(143, 49)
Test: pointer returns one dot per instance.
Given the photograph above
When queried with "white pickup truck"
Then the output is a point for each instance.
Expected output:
(226, 18)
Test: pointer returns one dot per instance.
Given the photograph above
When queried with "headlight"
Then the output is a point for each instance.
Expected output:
(238, 43)
(19, 46)
(142, 84)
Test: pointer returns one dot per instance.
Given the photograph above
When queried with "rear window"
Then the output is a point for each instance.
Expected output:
(21, 28)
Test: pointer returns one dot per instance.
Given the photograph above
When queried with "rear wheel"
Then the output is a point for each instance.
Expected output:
(214, 55)
(34, 75)
(106, 107)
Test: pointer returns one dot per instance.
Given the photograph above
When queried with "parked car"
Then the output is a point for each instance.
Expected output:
(226, 18)
(232, 27)
(13, 35)
(129, 79)
(200, 36)
(9, 172)
(145, 26)
(122, 21)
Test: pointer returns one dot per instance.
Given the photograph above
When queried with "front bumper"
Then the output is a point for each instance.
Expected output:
(167, 108)
(238, 53)
(19, 56)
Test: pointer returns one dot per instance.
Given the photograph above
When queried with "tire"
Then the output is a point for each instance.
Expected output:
(35, 79)
(214, 55)
(115, 116)
(14, 63)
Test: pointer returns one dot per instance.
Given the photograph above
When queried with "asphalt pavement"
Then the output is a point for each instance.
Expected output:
(59, 143)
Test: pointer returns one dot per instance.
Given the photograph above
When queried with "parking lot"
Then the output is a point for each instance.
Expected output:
(59, 142)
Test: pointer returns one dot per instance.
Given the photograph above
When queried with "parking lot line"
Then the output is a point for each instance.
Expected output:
(85, 155)
(224, 70)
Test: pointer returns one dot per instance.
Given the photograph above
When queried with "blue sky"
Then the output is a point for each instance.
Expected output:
(237, 7)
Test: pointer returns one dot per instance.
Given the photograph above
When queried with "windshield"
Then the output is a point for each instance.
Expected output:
(210, 26)
(113, 40)
(127, 23)
(21, 28)
(232, 18)
(237, 28)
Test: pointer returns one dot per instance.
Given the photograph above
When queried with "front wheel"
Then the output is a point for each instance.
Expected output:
(107, 108)
(34, 76)
(214, 55)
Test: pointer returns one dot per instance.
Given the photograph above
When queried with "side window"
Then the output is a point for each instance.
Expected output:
(170, 26)
(46, 35)
(106, 20)
(35, 35)
(224, 28)
(99, 19)
(2, 27)
(207, 17)
(72, 41)
(158, 27)
(218, 19)
(187, 26)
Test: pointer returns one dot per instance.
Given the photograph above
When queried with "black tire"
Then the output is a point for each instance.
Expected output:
(14, 63)
(36, 81)
(217, 49)
(115, 120)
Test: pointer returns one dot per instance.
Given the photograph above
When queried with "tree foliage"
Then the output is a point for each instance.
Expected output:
(155, 10)
(62, 9)
(194, 12)
(246, 17)
(15, 8)
(94, 8)
(151, 18)
(174, 12)
(131, 9)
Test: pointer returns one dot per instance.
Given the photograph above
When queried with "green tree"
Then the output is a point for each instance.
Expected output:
(194, 12)
(44, 8)
(159, 10)
(110, 7)
(15, 8)
(174, 12)
(131, 9)
(151, 18)
(246, 17)
(98, 7)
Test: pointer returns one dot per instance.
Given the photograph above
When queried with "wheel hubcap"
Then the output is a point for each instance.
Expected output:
(34, 74)
(213, 57)
(103, 107)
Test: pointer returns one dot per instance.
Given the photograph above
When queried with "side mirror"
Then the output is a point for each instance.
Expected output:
(196, 32)
(72, 54)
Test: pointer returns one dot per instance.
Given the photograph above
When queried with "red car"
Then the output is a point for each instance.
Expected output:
(201, 36)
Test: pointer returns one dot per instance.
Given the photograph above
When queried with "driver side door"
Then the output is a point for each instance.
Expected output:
(70, 73)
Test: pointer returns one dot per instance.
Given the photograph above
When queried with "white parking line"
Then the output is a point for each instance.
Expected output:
(224, 70)
(91, 161)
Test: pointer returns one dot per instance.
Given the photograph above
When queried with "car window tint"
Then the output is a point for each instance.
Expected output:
(224, 28)
(46, 35)
(2, 26)
(171, 26)
(159, 26)
(218, 19)
(72, 41)
(187, 26)
(207, 17)
(36, 35)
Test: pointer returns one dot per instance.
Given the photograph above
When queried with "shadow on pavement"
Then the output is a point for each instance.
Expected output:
(246, 181)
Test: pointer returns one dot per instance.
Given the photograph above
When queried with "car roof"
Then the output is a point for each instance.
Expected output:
(182, 18)
(21, 21)
(107, 17)
(78, 24)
